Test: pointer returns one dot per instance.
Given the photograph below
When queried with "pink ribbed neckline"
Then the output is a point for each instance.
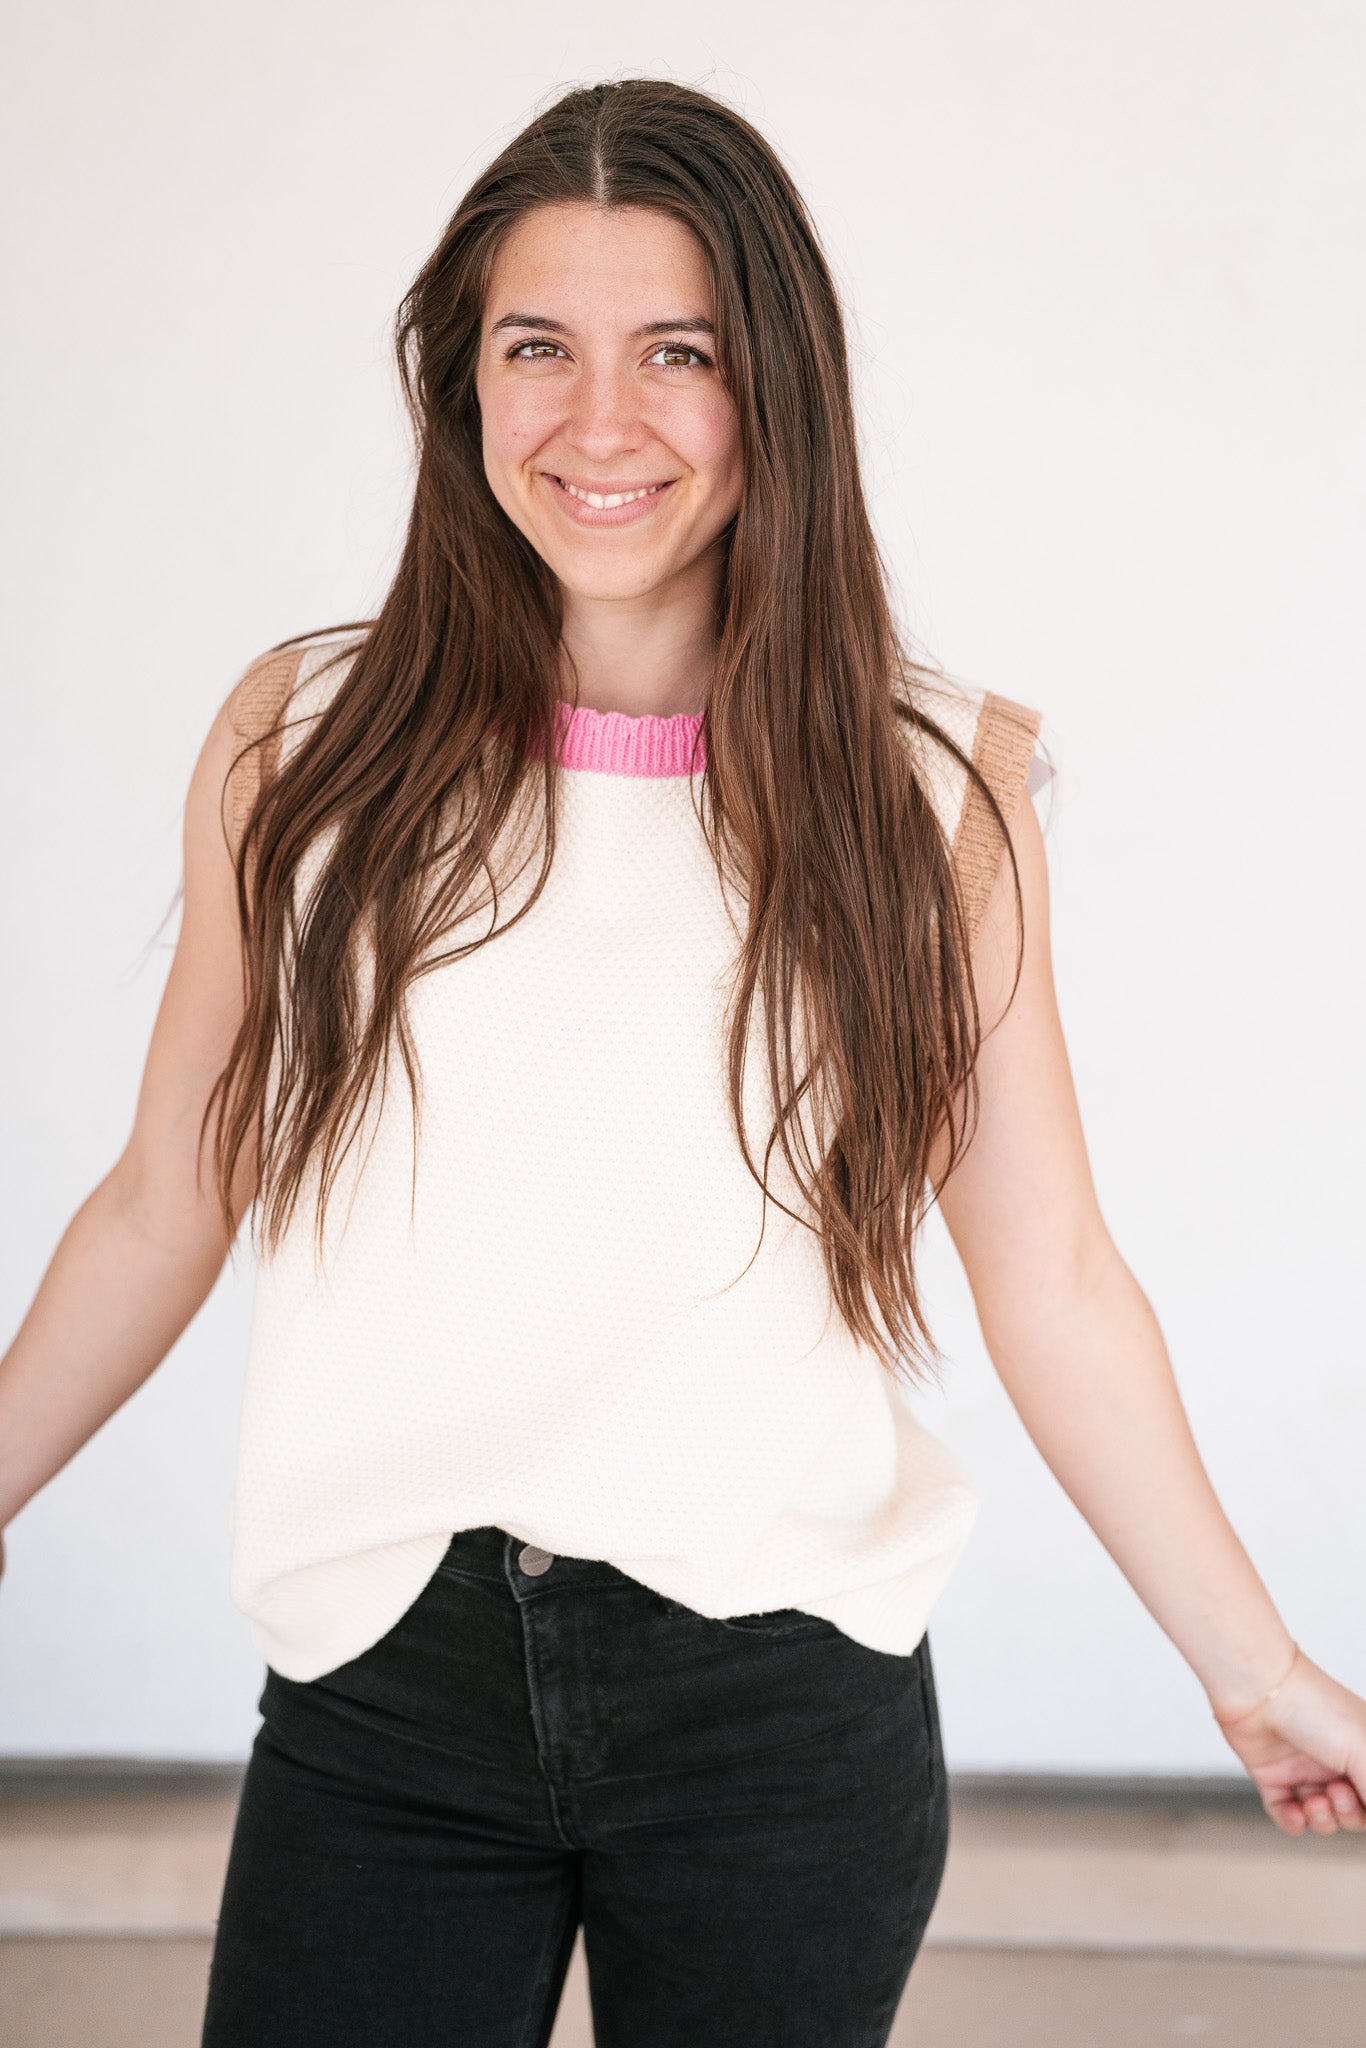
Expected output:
(616, 743)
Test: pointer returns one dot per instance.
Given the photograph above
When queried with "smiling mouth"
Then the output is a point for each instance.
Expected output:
(607, 501)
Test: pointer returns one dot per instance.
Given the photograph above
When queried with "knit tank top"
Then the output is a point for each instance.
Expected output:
(564, 1318)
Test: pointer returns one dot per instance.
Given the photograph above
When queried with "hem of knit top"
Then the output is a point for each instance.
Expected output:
(618, 743)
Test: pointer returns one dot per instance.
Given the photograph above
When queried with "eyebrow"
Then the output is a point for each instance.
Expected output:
(691, 323)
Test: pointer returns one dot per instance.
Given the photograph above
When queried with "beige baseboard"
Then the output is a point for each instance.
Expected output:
(95, 1847)
(1145, 1865)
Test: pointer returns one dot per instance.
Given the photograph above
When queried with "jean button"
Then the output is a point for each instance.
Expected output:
(533, 1560)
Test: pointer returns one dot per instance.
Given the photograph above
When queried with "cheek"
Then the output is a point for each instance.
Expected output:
(707, 435)
(516, 420)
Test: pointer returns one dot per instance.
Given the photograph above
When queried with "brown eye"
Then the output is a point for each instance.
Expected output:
(676, 350)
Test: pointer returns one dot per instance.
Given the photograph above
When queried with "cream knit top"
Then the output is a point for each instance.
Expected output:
(560, 1324)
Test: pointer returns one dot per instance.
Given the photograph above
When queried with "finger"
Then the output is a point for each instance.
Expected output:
(1346, 1803)
(1318, 1810)
(1286, 1811)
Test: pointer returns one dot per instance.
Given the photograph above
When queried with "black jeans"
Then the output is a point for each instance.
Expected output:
(749, 1817)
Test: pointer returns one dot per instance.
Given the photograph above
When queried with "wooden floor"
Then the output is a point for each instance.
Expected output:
(148, 1992)
(1072, 1915)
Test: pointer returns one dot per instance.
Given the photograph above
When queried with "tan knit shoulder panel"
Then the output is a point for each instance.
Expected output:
(1002, 747)
(258, 706)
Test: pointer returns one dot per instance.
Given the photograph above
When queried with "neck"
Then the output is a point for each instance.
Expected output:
(647, 655)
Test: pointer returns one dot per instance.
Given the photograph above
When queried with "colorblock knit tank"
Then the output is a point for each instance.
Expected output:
(567, 1321)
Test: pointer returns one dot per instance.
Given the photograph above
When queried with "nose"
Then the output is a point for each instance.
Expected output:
(604, 417)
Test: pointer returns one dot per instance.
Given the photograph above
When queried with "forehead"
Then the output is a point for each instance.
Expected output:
(592, 265)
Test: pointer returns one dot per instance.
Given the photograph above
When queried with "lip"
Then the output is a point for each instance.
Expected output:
(614, 515)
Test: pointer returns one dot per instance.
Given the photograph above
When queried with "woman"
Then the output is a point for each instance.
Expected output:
(591, 969)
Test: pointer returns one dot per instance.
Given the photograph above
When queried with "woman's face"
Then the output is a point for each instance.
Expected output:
(609, 438)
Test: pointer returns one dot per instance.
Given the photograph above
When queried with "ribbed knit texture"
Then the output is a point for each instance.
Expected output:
(572, 1334)
(610, 743)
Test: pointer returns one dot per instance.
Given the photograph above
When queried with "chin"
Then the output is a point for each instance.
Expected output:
(603, 581)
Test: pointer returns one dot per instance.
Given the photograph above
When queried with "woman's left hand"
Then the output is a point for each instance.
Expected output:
(1306, 1753)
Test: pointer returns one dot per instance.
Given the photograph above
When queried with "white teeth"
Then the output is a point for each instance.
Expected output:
(605, 504)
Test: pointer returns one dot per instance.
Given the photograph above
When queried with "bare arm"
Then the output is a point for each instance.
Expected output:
(1080, 1353)
(143, 1250)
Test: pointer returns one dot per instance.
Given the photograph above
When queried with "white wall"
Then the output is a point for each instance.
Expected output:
(1108, 312)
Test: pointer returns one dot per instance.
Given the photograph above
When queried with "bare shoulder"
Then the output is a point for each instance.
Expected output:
(202, 1003)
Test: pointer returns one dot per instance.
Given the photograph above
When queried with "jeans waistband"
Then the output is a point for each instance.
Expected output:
(491, 1552)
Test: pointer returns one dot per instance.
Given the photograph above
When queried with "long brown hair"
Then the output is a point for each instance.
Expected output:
(810, 792)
